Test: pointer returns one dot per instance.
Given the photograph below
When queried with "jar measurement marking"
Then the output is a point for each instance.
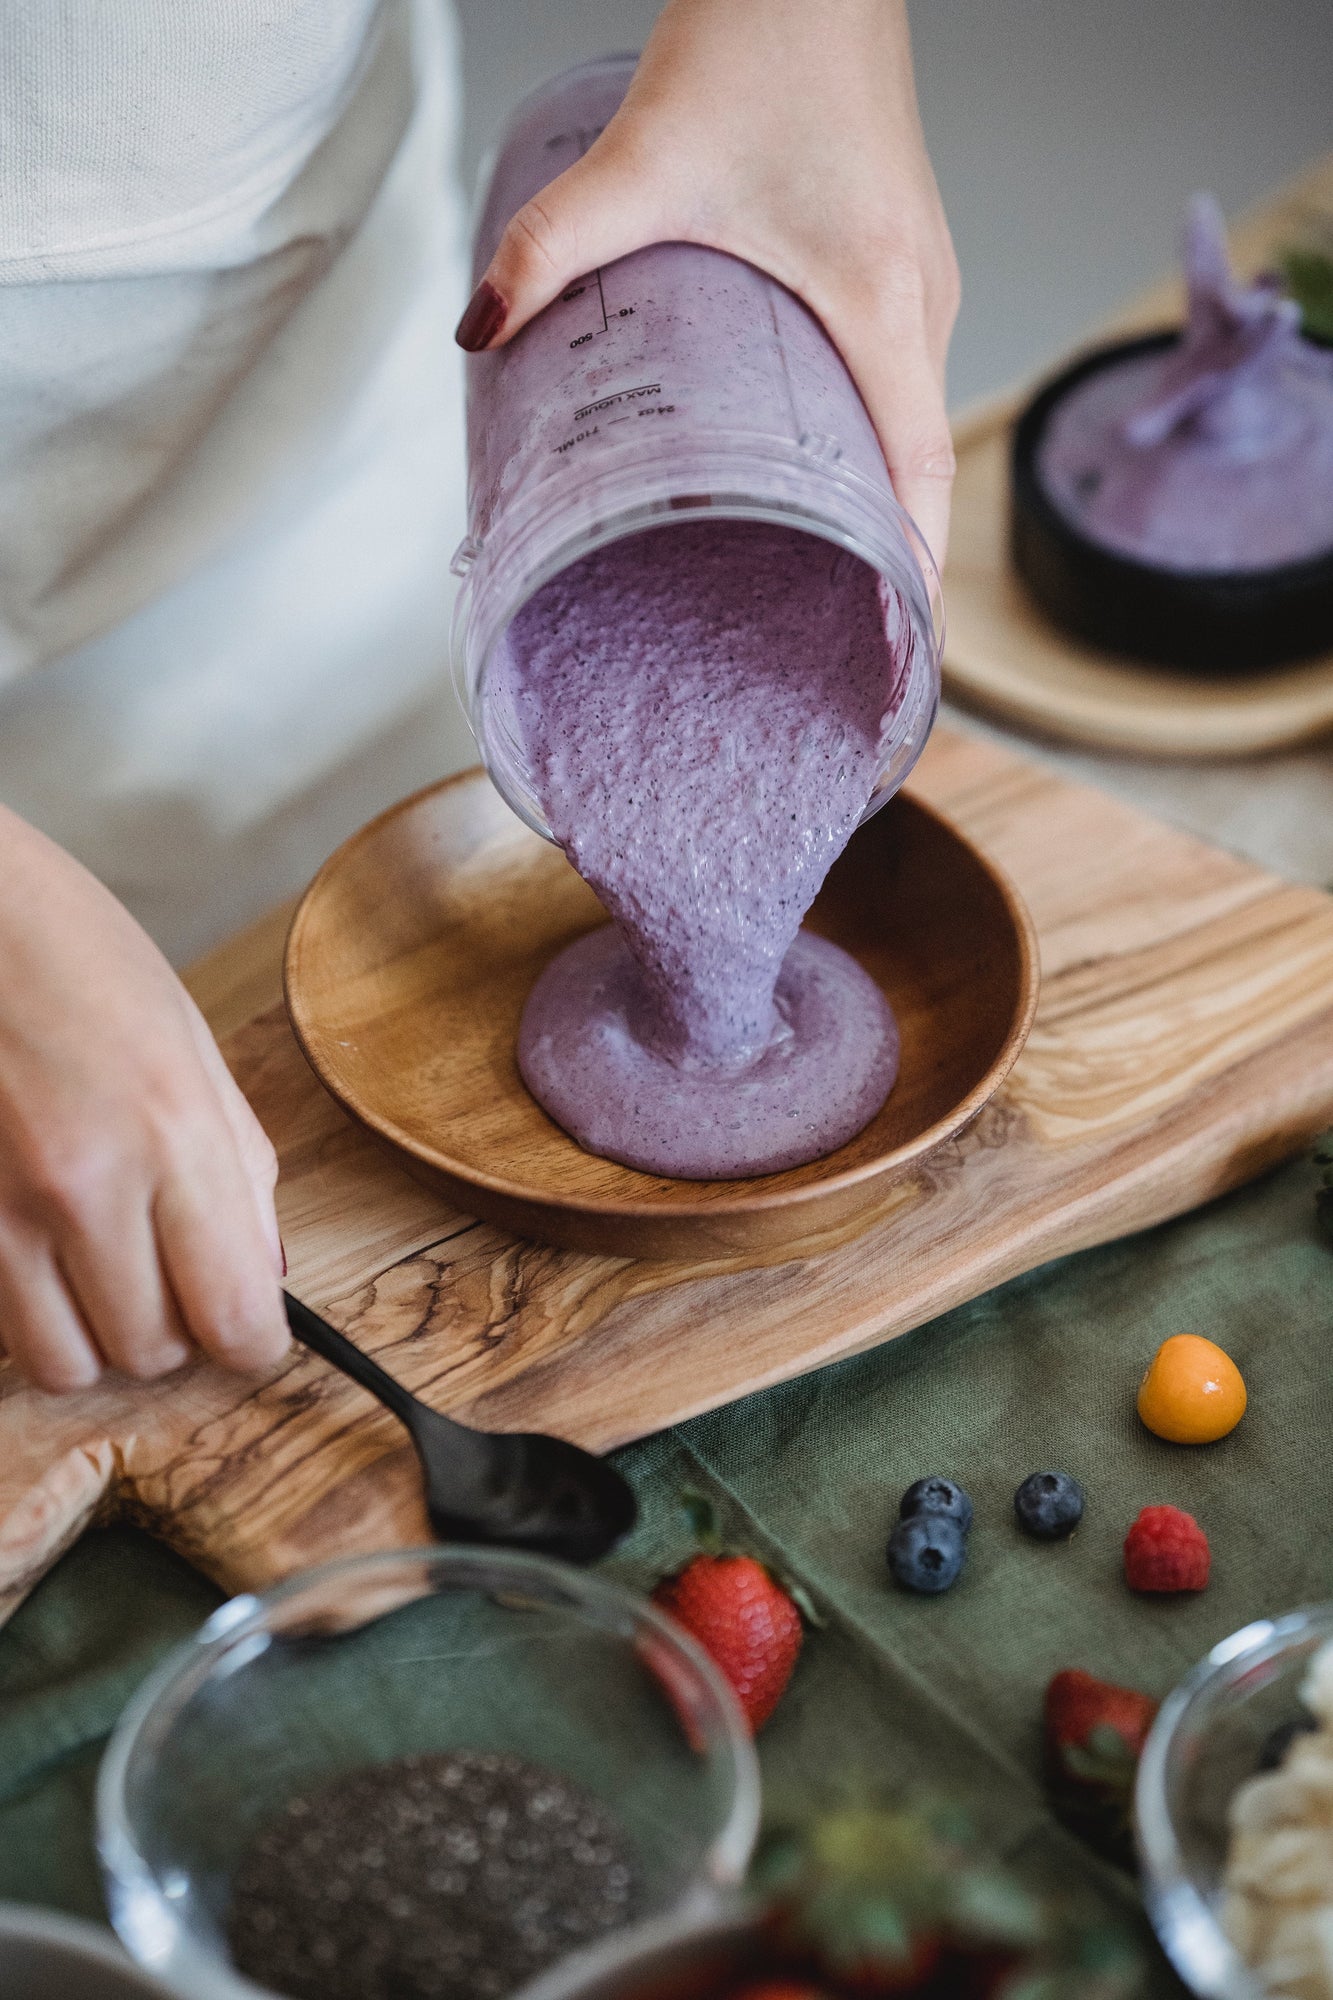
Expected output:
(619, 396)
(576, 292)
(577, 438)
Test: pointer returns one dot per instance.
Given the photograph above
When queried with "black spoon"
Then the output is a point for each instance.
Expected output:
(520, 1488)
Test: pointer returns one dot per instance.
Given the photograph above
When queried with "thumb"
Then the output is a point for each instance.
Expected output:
(605, 205)
(900, 378)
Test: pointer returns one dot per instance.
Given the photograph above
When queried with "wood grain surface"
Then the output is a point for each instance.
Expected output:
(415, 948)
(1003, 654)
(1183, 1042)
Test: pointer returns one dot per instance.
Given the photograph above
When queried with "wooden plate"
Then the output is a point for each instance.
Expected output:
(413, 950)
(1004, 655)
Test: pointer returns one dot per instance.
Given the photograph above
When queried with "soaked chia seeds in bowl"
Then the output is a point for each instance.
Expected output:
(455, 1876)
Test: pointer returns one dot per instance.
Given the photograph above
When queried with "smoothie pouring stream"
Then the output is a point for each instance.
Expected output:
(702, 706)
(700, 642)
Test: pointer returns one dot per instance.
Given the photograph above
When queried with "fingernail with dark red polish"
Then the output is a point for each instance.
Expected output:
(283, 1247)
(483, 319)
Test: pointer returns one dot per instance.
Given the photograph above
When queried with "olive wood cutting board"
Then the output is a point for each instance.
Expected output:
(1183, 1042)
(1002, 653)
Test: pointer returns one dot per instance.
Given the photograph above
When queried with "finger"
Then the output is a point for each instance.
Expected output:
(605, 205)
(115, 1278)
(901, 381)
(216, 1259)
(253, 1144)
(43, 1331)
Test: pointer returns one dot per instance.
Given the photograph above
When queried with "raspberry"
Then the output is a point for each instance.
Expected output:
(1166, 1550)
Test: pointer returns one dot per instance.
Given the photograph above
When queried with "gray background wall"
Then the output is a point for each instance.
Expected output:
(1066, 134)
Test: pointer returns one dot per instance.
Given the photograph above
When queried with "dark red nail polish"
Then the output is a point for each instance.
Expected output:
(283, 1247)
(484, 317)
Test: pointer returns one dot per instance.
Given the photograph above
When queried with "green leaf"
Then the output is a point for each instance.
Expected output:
(1105, 1740)
(703, 1520)
(1032, 1986)
(780, 1862)
(1323, 1208)
(1309, 279)
(1102, 1948)
(867, 1848)
(803, 1601)
(1109, 1765)
(881, 1932)
(991, 1907)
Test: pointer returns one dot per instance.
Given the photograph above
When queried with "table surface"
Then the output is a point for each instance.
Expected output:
(1184, 1040)
(893, 1692)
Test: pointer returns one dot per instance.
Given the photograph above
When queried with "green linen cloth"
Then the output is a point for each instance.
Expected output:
(895, 1689)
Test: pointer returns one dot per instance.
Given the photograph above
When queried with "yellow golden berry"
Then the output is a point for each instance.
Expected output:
(1192, 1392)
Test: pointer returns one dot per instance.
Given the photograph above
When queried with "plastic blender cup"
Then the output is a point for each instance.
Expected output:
(676, 384)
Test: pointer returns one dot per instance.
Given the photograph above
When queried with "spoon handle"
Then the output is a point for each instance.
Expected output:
(326, 1341)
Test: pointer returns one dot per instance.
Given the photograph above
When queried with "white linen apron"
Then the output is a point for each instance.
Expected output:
(231, 456)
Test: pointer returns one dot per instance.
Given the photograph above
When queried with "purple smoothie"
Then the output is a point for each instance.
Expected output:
(702, 708)
(1214, 455)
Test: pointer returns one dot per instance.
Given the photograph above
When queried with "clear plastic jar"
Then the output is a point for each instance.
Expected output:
(675, 384)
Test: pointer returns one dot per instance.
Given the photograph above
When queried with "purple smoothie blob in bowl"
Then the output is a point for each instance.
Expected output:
(1173, 494)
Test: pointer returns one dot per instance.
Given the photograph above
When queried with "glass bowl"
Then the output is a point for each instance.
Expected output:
(44, 1956)
(384, 1656)
(1204, 1744)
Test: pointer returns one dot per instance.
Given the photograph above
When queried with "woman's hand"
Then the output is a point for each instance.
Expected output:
(136, 1184)
(786, 132)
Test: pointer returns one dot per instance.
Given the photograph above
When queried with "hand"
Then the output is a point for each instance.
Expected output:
(786, 132)
(136, 1184)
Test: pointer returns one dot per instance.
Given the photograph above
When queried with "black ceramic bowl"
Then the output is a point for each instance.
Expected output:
(1218, 622)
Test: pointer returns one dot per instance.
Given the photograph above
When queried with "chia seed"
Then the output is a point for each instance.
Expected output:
(455, 1876)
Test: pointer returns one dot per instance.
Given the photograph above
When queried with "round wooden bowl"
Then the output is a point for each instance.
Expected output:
(414, 948)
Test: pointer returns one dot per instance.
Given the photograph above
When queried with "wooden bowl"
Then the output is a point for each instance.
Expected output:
(414, 948)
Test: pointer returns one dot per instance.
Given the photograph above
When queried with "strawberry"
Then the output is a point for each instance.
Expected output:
(1094, 1732)
(1166, 1550)
(777, 1988)
(879, 1901)
(742, 1616)
(858, 1899)
(744, 1619)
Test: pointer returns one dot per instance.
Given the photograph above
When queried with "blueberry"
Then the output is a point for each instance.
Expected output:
(1049, 1505)
(926, 1552)
(1278, 1741)
(937, 1496)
